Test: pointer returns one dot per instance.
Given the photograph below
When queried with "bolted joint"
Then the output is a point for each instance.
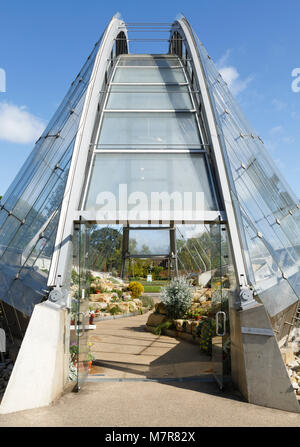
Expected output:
(246, 297)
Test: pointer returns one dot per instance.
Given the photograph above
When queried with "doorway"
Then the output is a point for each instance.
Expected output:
(119, 277)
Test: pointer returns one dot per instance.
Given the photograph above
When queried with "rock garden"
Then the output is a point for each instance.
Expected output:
(291, 357)
(187, 312)
(110, 296)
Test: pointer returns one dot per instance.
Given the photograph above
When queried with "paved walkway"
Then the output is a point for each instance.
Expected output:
(128, 356)
(124, 349)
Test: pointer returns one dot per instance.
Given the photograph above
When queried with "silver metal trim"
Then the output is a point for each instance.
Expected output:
(149, 110)
(257, 331)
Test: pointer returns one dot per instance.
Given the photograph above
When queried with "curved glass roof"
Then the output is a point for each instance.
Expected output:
(149, 138)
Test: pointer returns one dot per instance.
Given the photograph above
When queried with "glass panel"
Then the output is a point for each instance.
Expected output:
(152, 75)
(147, 242)
(221, 281)
(149, 173)
(149, 97)
(148, 61)
(149, 128)
(81, 302)
(267, 203)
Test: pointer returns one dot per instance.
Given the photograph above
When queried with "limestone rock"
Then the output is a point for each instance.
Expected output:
(188, 326)
(179, 325)
(138, 302)
(156, 319)
(160, 308)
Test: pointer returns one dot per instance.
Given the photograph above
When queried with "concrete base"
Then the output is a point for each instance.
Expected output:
(258, 369)
(39, 374)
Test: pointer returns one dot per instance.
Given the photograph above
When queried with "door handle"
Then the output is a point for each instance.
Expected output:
(223, 314)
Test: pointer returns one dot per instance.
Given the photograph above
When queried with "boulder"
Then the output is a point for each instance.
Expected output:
(179, 325)
(100, 297)
(98, 306)
(156, 319)
(161, 308)
(188, 326)
(124, 307)
(138, 302)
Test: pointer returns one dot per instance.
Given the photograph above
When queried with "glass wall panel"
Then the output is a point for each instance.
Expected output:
(146, 60)
(35, 196)
(149, 97)
(149, 173)
(147, 242)
(264, 198)
(149, 128)
(150, 74)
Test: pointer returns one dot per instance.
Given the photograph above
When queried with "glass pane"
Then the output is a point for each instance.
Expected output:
(146, 60)
(149, 128)
(149, 174)
(147, 242)
(153, 74)
(81, 303)
(149, 97)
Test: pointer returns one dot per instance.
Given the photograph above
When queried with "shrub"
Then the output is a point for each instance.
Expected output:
(147, 301)
(115, 310)
(119, 292)
(177, 297)
(136, 289)
(165, 325)
(206, 331)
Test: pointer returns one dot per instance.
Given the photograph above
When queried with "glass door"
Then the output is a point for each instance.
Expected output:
(81, 246)
(220, 292)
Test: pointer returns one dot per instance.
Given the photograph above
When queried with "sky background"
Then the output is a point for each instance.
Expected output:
(255, 45)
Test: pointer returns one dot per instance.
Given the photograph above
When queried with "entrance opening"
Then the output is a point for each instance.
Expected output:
(151, 302)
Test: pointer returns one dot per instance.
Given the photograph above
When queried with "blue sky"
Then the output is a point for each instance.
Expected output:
(44, 44)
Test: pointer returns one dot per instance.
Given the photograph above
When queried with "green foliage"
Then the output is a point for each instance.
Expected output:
(105, 249)
(147, 301)
(115, 310)
(119, 292)
(74, 277)
(177, 297)
(165, 325)
(206, 330)
(136, 289)
(74, 350)
(152, 289)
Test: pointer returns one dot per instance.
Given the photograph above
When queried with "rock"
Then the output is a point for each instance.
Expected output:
(288, 355)
(101, 305)
(156, 319)
(188, 326)
(133, 306)
(179, 325)
(124, 307)
(161, 308)
(138, 302)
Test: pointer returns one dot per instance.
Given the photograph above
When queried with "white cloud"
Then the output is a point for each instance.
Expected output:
(276, 130)
(279, 105)
(231, 76)
(17, 125)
